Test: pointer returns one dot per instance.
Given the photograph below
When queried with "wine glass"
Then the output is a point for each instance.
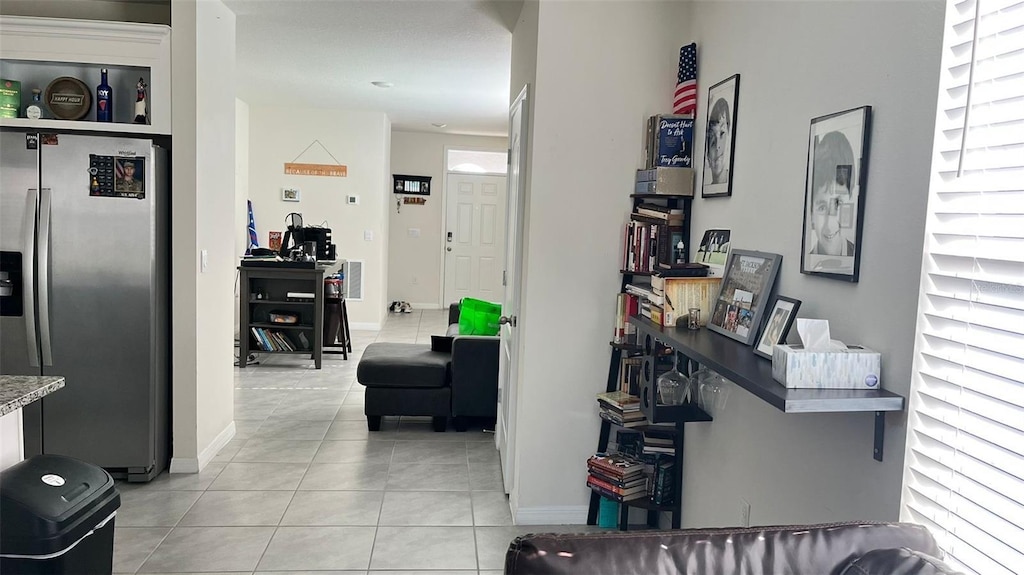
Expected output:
(674, 388)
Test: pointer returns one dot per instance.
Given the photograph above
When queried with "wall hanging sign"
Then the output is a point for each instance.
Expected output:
(414, 201)
(419, 185)
(335, 170)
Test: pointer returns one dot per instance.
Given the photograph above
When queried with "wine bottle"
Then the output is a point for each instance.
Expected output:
(104, 99)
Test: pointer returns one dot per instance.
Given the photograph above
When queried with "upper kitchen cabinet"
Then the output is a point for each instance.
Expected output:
(36, 51)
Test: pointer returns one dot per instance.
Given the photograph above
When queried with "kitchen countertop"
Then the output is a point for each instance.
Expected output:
(17, 391)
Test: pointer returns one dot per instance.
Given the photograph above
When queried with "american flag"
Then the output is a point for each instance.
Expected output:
(685, 101)
(254, 239)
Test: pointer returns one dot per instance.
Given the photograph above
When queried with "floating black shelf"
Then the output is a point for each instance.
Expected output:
(280, 302)
(736, 362)
(630, 347)
(660, 196)
(298, 351)
(627, 272)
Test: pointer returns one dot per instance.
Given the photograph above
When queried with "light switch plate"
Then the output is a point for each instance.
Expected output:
(414, 232)
(368, 235)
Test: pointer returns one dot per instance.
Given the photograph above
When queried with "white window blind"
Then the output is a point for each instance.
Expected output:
(964, 474)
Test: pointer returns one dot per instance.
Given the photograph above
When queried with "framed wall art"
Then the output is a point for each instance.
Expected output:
(776, 327)
(837, 168)
(290, 194)
(746, 287)
(720, 138)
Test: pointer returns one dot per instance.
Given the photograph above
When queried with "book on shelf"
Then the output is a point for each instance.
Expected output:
(620, 400)
(669, 141)
(633, 495)
(619, 420)
(638, 481)
(666, 181)
(647, 245)
(683, 293)
(636, 492)
(626, 305)
(617, 465)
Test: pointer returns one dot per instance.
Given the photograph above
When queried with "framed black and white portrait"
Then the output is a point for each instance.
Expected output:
(776, 326)
(837, 167)
(720, 138)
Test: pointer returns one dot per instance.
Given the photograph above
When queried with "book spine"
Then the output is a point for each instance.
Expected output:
(256, 335)
(606, 493)
(653, 251)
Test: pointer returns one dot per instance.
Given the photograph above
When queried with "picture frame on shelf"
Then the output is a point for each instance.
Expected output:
(744, 294)
(720, 138)
(776, 326)
(290, 194)
(837, 169)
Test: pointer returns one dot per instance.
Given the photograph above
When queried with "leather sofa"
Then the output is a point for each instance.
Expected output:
(414, 379)
(829, 549)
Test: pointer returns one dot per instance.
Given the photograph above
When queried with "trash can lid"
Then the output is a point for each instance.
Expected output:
(49, 502)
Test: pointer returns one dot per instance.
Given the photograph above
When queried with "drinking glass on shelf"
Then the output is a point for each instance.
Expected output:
(674, 388)
(712, 391)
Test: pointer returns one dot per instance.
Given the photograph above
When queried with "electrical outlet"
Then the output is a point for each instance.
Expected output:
(744, 513)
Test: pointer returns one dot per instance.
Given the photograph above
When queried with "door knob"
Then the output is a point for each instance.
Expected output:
(449, 249)
(506, 320)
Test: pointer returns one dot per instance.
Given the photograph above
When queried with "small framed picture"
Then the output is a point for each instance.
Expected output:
(776, 327)
(720, 138)
(837, 169)
(290, 194)
(743, 297)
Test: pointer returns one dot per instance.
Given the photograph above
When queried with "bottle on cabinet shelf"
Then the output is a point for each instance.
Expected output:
(104, 99)
(35, 110)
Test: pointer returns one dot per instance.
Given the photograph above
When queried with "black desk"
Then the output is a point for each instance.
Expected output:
(274, 284)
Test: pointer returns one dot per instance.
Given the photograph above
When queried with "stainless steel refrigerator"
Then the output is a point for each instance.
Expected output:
(84, 226)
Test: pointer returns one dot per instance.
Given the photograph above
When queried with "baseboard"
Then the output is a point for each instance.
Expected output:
(211, 451)
(364, 326)
(416, 306)
(184, 465)
(560, 515)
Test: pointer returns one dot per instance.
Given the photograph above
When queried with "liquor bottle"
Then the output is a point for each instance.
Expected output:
(104, 99)
(34, 111)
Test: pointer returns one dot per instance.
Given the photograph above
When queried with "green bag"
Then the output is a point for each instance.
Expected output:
(478, 317)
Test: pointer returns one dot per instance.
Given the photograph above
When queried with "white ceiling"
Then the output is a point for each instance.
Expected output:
(449, 60)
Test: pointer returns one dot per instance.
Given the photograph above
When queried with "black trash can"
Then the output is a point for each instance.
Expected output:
(57, 516)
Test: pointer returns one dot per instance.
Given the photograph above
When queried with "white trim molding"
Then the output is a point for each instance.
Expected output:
(195, 465)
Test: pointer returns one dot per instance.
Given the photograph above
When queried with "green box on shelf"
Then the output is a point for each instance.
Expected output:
(10, 98)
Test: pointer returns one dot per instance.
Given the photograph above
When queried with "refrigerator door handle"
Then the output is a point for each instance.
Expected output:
(30, 278)
(44, 276)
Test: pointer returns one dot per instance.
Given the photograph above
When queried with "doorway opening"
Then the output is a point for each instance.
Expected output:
(474, 226)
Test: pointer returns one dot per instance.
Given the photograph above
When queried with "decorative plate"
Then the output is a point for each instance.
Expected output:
(68, 98)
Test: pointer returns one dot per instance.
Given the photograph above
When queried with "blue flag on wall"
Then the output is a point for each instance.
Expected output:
(254, 240)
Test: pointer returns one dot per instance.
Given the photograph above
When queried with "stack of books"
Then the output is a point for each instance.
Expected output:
(621, 408)
(616, 476)
(658, 441)
(650, 241)
(626, 305)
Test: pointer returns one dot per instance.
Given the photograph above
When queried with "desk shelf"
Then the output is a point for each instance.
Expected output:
(737, 362)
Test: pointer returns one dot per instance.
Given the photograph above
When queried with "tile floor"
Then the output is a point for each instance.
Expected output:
(305, 487)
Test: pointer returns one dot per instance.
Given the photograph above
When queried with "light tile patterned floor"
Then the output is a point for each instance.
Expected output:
(305, 487)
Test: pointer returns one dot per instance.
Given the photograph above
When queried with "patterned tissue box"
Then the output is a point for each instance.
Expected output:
(852, 368)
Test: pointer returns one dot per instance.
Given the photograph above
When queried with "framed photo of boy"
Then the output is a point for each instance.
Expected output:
(776, 327)
(837, 168)
(720, 138)
(743, 297)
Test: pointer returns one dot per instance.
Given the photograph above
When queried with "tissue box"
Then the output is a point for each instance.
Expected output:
(852, 368)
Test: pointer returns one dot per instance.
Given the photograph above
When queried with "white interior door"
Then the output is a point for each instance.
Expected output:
(508, 363)
(475, 238)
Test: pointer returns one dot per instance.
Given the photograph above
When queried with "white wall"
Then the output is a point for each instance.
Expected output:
(601, 68)
(358, 140)
(241, 226)
(800, 60)
(415, 264)
(203, 111)
(149, 12)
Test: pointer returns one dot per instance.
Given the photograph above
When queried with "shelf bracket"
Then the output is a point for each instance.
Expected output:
(879, 434)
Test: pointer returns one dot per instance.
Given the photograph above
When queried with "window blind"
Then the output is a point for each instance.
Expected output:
(964, 475)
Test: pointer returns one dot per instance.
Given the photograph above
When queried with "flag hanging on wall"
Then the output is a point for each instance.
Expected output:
(254, 240)
(685, 101)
